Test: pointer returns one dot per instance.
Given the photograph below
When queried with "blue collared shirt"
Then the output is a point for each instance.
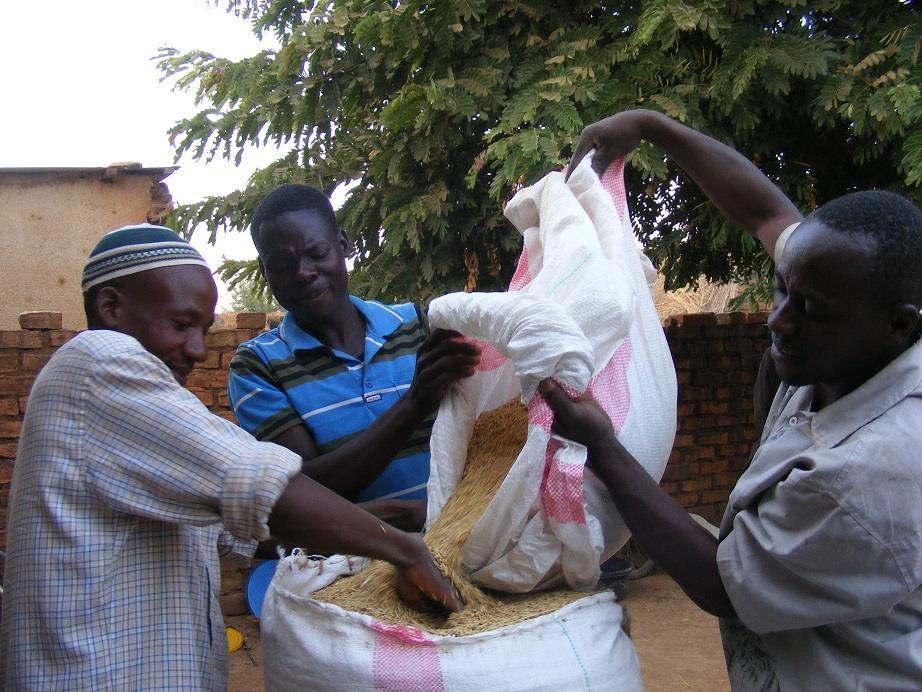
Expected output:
(286, 377)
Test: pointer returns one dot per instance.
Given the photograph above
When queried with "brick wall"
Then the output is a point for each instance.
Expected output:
(716, 358)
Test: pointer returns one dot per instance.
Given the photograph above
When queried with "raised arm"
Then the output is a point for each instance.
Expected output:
(732, 182)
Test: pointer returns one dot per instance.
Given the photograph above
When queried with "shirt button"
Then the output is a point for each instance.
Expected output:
(792, 420)
(368, 383)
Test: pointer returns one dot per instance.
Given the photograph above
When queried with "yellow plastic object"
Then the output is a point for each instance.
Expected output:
(234, 639)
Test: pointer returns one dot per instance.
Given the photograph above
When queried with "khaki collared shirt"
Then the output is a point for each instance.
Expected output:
(821, 550)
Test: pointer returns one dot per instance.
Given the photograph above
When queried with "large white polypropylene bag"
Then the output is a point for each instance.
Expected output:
(579, 309)
(310, 645)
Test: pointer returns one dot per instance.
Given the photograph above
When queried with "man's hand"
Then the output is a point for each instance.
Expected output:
(421, 584)
(443, 358)
(406, 515)
(581, 420)
(612, 138)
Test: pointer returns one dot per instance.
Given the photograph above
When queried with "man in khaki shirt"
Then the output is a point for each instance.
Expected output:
(816, 574)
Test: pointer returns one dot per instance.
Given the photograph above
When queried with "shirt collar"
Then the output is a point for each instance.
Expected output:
(380, 322)
(900, 379)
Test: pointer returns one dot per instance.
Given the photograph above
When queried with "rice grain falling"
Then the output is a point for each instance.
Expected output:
(495, 443)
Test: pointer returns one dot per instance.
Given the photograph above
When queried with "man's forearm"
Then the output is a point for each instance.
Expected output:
(664, 530)
(352, 467)
(311, 516)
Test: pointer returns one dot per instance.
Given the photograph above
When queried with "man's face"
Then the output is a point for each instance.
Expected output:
(169, 310)
(304, 262)
(828, 324)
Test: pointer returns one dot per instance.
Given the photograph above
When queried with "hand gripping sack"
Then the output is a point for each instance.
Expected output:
(311, 645)
(579, 309)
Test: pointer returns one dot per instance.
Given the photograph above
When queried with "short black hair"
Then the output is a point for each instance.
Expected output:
(291, 197)
(895, 225)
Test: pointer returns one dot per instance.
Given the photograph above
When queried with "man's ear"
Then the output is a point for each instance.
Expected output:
(108, 307)
(344, 242)
(262, 269)
(905, 322)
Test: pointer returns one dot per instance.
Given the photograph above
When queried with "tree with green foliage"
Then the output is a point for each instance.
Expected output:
(438, 111)
(251, 294)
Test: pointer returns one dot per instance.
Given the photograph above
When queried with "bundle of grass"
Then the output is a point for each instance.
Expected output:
(496, 441)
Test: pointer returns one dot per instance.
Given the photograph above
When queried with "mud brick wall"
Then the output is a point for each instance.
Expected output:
(716, 358)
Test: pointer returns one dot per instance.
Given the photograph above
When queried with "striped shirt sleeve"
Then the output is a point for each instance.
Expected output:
(261, 406)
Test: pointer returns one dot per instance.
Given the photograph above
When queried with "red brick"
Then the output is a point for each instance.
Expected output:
(212, 360)
(244, 335)
(40, 320)
(9, 407)
(727, 479)
(712, 467)
(727, 318)
(702, 453)
(684, 441)
(22, 339)
(226, 358)
(222, 400)
(701, 319)
(696, 484)
(7, 450)
(687, 499)
(59, 338)
(6, 471)
(34, 361)
(715, 495)
(207, 379)
(23, 401)
(9, 362)
(9, 429)
(714, 407)
(206, 396)
(221, 338)
(714, 438)
(251, 320)
(16, 385)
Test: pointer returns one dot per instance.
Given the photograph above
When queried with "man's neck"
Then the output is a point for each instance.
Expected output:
(346, 334)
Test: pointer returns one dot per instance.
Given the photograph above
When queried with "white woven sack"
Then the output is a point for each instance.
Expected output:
(579, 309)
(310, 645)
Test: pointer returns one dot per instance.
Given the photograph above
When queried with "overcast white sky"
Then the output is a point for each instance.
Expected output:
(79, 88)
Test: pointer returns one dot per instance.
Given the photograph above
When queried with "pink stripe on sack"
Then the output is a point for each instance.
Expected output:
(522, 276)
(562, 488)
(490, 358)
(610, 388)
(562, 484)
(405, 660)
(613, 184)
(540, 414)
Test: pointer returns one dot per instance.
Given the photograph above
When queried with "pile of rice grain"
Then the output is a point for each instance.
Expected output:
(495, 443)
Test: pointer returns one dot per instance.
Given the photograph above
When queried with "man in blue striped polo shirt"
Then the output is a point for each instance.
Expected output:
(350, 385)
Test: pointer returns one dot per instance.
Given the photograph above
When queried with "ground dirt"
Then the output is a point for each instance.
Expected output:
(678, 644)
